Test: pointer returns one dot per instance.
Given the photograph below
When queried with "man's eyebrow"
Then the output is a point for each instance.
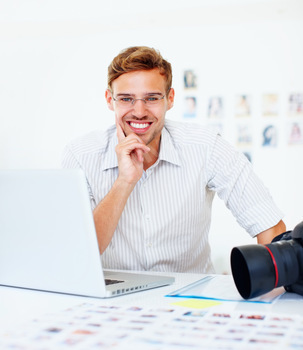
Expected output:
(125, 94)
(154, 93)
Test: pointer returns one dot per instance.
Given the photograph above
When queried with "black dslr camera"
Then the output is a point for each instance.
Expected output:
(257, 269)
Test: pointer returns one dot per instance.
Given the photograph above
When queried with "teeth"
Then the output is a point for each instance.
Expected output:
(139, 125)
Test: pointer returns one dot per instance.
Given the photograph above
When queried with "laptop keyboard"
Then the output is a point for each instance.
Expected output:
(110, 281)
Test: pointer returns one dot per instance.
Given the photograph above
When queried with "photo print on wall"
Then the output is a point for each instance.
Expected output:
(243, 106)
(190, 79)
(295, 105)
(270, 105)
(270, 136)
(294, 133)
(215, 107)
(190, 107)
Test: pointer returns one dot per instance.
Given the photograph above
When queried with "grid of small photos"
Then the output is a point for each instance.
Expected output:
(97, 326)
(271, 108)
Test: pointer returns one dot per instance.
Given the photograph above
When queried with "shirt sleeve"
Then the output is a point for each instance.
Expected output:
(70, 161)
(231, 175)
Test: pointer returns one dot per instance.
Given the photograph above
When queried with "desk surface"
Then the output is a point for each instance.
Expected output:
(18, 306)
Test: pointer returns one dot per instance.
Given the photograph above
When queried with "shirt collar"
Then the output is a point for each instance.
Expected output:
(168, 151)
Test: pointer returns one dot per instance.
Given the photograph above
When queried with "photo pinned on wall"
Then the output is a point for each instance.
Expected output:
(244, 135)
(190, 107)
(295, 105)
(270, 105)
(270, 136)
(243, 106)
(295, 133)
(215, 107)
(190, 79)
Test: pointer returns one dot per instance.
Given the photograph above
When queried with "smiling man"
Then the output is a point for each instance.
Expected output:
(152, 181)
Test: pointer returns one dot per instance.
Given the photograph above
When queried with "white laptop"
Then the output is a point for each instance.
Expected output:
(48, 240)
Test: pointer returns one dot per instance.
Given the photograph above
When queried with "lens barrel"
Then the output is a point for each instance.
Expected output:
(257, 269)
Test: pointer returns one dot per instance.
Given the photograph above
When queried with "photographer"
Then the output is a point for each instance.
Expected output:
(152, 181)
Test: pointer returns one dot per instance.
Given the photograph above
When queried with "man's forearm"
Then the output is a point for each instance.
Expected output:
(108, 212)
(267, 236)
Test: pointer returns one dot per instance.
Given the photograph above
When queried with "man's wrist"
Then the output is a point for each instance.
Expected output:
(124, 184)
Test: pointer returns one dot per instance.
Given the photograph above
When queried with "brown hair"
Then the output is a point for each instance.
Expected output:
(139, 58)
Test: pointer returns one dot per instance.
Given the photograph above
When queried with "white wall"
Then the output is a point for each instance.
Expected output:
(54, 57)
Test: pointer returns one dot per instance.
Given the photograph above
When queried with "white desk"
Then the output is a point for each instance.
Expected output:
(18, 306)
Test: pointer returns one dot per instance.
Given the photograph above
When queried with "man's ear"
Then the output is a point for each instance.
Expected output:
(109, 99)
(170, 98)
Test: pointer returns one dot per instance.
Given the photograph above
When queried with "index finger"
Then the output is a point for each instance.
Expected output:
(120, 132)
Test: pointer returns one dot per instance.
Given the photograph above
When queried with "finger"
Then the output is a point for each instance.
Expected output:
(136, 143)
(139, 154)
(120, 133)
(133, 140)
(129, 146)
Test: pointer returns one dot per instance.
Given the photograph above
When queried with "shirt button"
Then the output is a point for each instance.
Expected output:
(149, 244)
(147, 217)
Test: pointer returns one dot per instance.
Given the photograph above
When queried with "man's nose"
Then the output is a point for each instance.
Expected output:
(139, 107)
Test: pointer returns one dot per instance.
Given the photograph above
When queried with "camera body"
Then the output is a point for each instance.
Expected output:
(257, 269)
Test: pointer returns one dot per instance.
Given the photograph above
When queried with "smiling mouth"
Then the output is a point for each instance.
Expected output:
(139, 127)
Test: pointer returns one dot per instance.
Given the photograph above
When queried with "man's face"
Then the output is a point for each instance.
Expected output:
(145, 121)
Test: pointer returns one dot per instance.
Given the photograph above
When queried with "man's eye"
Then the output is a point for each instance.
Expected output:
(152, 98)
(126, 99)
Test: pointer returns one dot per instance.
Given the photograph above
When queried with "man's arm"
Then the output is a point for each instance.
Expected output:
(107, 214)
(267, 236)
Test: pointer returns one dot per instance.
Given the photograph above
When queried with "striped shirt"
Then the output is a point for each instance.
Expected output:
(166, 220)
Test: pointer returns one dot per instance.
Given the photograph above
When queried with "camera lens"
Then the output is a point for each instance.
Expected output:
(249, 265)
(257, 269)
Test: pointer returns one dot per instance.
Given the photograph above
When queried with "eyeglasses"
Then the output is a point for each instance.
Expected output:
(128, 101)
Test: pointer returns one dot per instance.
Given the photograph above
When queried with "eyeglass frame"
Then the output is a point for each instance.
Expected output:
(141, 99)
